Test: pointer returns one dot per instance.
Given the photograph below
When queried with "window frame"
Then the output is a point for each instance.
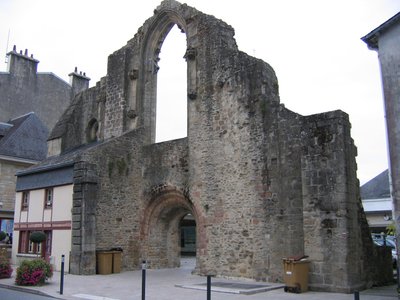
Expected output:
(23, 241)
(34, 248)
(25, 200)
(48, 203)
(26, 246)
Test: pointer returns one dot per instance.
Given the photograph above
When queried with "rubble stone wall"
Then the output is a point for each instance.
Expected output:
(261, 181)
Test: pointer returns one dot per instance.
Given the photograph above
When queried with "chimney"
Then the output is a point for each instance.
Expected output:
(21, 65)
(78, 81)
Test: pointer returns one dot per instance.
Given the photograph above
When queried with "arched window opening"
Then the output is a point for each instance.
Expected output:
(171, 114)
(92, 131)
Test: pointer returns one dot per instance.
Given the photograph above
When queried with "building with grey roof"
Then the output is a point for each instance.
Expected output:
(377, 202)
(31, 102)
(22, 144)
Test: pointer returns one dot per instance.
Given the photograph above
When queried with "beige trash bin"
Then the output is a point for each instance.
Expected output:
(104, 262)
(116, 261)
(295, 274)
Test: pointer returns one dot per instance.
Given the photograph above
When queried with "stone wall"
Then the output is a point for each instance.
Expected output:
(261, 182)
(83, 249)
(86, 109)
(120, 197)
(8, 169)
(23, 90)
(330, 193)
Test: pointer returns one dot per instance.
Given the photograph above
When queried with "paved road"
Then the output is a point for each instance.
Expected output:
(174, 284)
(10, 294)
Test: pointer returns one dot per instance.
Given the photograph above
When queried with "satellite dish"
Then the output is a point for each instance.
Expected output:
(387, 217)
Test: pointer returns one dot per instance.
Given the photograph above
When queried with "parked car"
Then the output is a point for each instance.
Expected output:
(389, 241)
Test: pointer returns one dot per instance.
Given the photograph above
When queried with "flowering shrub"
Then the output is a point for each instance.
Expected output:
(33, 272)
(5, 269)
(5, 265)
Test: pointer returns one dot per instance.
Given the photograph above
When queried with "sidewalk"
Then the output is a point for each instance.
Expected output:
(177, 284)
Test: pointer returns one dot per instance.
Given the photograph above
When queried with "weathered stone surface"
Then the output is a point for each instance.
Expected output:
(261, 182)
(23, 90)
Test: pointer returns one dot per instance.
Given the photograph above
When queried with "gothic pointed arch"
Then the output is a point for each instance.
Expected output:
(144, 92)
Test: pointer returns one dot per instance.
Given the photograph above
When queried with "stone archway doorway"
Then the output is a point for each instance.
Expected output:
(187, 228)
(170, 230)
(188, 243)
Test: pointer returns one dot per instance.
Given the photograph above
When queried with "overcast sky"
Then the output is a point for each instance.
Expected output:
(314, 47)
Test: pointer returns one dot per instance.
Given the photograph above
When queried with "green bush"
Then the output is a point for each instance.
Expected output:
(391, 229)
(33, 272)
(2, 235)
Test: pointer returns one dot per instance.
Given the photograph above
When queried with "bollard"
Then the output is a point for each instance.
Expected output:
(356, 295)
(143, 280)
(62, 275)
(208, 287)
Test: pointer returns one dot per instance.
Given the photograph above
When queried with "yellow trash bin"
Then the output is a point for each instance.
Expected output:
(116, 261)
(104, 262)
(295, 274)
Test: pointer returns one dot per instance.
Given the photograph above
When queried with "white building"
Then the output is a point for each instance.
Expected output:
(44, 203)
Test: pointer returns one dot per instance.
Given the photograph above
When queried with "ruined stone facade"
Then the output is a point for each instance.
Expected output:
(261, 181)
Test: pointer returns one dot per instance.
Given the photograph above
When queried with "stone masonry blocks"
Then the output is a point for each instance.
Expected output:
(261, 182)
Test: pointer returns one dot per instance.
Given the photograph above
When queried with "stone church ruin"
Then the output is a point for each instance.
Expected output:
(261, 182)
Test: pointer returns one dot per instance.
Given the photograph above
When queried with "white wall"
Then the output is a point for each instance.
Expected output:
(35, 208)
(62, 203)
(37, 214)
(61, 245)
